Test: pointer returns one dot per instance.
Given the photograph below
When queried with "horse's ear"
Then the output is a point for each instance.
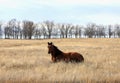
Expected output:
(51, 43)
(48, 43)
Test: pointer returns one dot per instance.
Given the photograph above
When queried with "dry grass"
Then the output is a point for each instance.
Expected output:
(28, 61)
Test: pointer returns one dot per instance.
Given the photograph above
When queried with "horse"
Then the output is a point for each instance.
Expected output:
(58, 55)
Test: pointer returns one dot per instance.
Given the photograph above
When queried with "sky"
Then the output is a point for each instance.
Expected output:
(62, 11)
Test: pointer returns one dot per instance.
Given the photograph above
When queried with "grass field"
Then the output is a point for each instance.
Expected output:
(28, 61)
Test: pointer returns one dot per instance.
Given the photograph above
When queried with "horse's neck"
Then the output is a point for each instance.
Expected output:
(57, 53)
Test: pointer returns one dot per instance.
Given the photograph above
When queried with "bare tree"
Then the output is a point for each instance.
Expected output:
(24, 31)
(9, 29)
(38, 32)
(1, 30)
(55, 32)
(21, 33)
(90, 30)
(70, 32)
(67, 28)
(17, 30)
(61, 28)
(100, 31)
(77, 31)
(44, 31)
(49, 27)
(7, 32)
(12, 26)
(110, 33)
(80, 31)
(28, 29)
(117, 30)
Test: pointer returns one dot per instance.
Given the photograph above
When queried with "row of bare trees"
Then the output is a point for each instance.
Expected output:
(14, 29)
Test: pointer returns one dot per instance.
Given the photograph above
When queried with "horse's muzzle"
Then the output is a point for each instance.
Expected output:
(48, 52)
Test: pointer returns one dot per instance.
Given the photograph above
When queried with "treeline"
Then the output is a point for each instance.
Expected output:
(14, 29)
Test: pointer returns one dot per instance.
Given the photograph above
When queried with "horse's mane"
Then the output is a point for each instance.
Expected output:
(57, 51)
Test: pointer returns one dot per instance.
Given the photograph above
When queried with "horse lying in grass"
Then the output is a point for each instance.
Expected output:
(58, 55)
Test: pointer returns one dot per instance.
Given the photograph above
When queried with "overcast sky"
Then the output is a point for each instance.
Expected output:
(62, 11)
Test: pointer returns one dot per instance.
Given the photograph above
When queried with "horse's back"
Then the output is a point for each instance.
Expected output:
(78, 56)
(74, 56)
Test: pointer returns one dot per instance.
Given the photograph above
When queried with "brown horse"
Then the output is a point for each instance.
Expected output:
(58, 55)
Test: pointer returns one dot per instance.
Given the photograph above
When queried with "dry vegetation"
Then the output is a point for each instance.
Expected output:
(28, 61)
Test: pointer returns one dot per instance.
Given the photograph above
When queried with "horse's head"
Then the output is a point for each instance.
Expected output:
(50, 47)
(53, 50)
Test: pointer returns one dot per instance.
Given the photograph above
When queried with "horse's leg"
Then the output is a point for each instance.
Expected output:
(53, 59)
(65, 58)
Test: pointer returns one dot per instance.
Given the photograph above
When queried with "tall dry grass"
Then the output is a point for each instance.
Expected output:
(28, 61)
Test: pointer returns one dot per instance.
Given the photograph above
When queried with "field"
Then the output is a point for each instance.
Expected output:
(29, 61)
